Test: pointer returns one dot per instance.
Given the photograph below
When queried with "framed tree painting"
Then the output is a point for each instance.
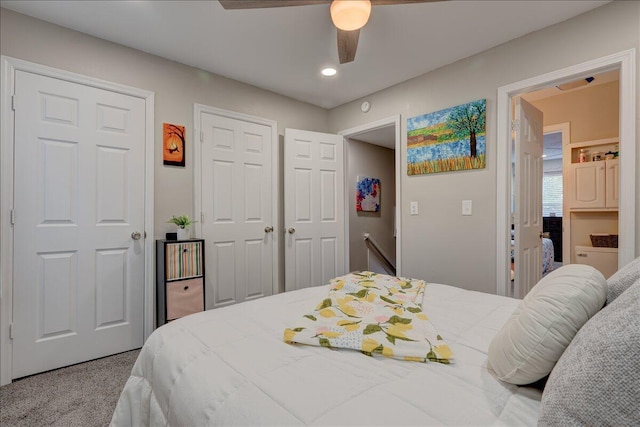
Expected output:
(452, 139)
(173, 144)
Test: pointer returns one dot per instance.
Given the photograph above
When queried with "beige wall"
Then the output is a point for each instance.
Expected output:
(440, 244)
(593, 112)
(375, 162)
(177, 87)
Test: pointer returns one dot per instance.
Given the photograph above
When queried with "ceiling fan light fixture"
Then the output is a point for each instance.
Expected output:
(350, 15)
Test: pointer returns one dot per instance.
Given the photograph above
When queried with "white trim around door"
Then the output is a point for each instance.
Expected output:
(197, 176)
(625, 61)
(9, 66)
(353, 133)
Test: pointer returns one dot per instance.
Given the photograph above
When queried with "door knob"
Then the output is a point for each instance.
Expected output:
(291, 230)
(136, 235)
(268, 229)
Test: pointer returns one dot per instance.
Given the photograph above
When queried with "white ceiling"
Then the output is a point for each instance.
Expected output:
(384, 137)
(283, 49)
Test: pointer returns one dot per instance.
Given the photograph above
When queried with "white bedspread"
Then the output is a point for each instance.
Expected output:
(230, 366)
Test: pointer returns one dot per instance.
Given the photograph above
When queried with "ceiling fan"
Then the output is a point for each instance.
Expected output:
(349, 16)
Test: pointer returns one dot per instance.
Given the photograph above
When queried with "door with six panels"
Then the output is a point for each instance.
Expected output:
(79, 206)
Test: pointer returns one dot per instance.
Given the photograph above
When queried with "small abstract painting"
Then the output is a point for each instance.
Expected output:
(368, 194)
(452, 139)
(173, 142)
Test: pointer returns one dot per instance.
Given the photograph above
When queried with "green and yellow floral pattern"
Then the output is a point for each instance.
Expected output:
(375, 314)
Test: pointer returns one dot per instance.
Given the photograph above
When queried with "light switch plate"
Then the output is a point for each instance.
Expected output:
(466, 207)
(413, 207)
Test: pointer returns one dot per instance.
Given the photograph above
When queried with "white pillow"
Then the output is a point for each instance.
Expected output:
(540, 329)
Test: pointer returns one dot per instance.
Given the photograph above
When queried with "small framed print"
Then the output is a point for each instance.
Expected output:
(367, 194)
(173, 144)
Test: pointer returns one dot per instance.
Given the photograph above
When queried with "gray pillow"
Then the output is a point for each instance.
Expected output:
(596, 382)
(622, 279)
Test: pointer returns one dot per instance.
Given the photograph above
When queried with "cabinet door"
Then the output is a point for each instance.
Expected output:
(612, 187)
(587, 188)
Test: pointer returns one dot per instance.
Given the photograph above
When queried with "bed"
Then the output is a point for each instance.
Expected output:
(231, 366)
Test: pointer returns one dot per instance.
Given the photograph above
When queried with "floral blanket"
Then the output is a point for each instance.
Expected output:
(375, 314)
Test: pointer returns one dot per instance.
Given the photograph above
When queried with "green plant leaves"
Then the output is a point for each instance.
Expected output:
(181, 221)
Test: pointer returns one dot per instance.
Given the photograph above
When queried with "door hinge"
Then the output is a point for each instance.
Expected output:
(13, 217)
(10, 331)
(514, 125)
(13, 102)
(201, 217)
(201, 136)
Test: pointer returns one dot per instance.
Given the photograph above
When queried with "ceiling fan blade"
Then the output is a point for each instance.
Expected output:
(389, 2)
(347, 45)
(261, 4)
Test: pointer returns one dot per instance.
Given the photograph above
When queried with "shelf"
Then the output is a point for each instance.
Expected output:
(179, 279)
(602, 145)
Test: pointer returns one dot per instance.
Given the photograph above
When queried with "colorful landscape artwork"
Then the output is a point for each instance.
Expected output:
(452, 139)
(368, 194)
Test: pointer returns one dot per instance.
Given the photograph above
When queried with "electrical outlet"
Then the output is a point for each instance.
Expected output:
(413, 207)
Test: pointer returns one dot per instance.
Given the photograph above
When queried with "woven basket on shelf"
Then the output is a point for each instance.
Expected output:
(604, 240)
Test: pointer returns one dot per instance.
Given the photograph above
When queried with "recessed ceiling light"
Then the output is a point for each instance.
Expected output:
(328, 72)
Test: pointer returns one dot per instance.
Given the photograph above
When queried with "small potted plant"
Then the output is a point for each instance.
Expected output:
(182, 222)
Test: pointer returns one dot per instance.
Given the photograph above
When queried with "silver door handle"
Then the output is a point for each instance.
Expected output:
(581, 255)
(136, 235)
(291, 230)
(268, 229)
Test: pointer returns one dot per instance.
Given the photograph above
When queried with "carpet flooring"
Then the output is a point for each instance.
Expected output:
(82, 395)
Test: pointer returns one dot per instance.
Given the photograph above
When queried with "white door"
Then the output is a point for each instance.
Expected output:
(314, 208)
(79, 196)
(237, 216)
(528, 182)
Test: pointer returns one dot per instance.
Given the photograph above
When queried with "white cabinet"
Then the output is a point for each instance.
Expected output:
(604, 260)
(594, 185)
(612, 183)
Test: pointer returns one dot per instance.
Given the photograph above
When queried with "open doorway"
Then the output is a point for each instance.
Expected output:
(555, 136)
(372, 197)
(621, 65)
(589, 107)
